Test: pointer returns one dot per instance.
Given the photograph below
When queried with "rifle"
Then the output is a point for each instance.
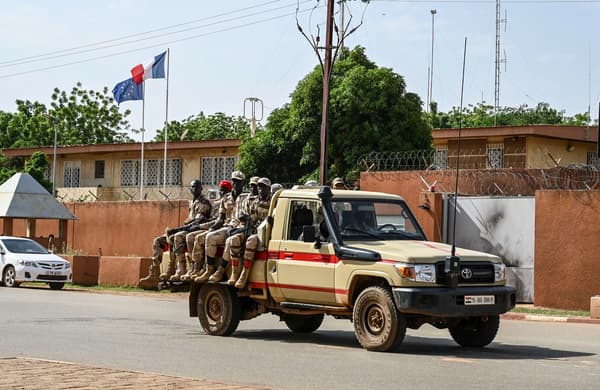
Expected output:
(188, 227)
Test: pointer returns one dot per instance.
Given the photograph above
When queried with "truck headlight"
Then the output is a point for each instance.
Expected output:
(417, 272)
(499, 272)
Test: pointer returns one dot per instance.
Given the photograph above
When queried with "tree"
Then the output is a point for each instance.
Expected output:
(35, 166)
(370, 110)
(202, 127)
(483, 115)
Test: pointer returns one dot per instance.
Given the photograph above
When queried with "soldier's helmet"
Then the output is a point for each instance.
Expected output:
(195, 183)
(254, 180)
(265, 181)
(276, 187)
(237, 175)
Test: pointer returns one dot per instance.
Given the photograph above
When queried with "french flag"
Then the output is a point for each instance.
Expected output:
(153, 69)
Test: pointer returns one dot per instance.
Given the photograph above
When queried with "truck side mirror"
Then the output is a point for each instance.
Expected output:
(309, 233)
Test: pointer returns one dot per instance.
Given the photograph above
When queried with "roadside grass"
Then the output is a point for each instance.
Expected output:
(544, 311)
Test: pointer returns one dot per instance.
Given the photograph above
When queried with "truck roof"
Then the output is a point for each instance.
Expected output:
(310, 192)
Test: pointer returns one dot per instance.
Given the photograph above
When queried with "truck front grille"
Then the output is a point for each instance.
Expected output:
(479, 272)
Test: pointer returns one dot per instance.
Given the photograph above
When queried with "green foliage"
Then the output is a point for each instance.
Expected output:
(202, 127)
(482, 115)
(36, 166)
(370, 110)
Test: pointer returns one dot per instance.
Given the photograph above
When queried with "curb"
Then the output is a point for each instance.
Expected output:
(536, 317)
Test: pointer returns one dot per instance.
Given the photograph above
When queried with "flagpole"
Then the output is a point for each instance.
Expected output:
(166, 134)
(142, 162)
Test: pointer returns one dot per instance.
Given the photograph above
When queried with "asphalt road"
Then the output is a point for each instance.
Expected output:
(153, 333)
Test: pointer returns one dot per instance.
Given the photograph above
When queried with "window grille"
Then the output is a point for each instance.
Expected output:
(440, 159)
(215, 169)
(153, 172)
(71, 174)
(592, 158)
(495, 156)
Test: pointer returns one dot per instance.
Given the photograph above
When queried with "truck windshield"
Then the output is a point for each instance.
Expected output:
(375, 220)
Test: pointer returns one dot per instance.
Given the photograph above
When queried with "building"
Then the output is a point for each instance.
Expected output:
(110, 172)
(534, 146)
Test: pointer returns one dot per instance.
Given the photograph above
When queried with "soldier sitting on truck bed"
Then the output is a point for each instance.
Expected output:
(257, 208)
(229, 210)
(199, 209)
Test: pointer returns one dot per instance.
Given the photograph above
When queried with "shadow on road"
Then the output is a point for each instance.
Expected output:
(415, 345)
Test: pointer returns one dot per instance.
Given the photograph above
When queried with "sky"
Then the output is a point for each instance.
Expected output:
(223, 52)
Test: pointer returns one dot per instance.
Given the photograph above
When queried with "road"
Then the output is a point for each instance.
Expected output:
(152, 333)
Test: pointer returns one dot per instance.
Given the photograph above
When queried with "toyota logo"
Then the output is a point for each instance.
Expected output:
(466, 273)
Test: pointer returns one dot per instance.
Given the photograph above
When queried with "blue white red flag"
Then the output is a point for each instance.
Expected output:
(152, 69)
(128, 90)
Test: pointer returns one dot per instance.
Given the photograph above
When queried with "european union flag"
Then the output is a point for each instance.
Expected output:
(128, 90)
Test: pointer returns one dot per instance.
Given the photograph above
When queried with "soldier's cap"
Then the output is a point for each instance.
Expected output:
(264, 181)
(237, 175)
(337, 180)
(254, 180)
(276, 187)
(226, 184)
(195, 183)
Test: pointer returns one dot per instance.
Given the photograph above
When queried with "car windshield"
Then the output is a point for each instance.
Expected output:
(375, 220)
(23, 246)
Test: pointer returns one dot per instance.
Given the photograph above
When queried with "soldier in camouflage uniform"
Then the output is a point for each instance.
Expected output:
(229, 210)
(200, 213)
(258, 209)
(196, 240)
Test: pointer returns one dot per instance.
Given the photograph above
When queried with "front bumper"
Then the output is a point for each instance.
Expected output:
(36, 274)
(449, 302)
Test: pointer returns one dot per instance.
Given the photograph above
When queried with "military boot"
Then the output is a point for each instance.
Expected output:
(150, 282)
(235, 272)
(181, 270)
(218, 275)
(210, 268)
(188, 275)
(170, 269)
(241, 282)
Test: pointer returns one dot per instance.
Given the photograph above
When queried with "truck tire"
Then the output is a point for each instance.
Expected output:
(475, 332)
(377, 324)
(303, 324)
(219, 309)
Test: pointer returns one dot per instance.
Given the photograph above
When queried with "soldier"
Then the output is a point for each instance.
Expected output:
(275, 187)
(229, 210)
(338, 184)
(196, 240)
(258, 209)
(254, 185)
(200, 213)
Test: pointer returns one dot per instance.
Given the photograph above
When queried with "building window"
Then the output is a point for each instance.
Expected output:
(71, 174)
(592, 158)
(440, 159)
(153, 172)
(99, 169)
(215, 169)
(495, 156)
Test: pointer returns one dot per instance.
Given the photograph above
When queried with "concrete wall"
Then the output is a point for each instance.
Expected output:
(539, 150)
(567, 249)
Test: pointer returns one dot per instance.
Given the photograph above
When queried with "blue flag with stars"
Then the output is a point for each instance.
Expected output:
(128, 90)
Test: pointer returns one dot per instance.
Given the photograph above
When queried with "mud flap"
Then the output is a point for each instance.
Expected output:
(193, 298)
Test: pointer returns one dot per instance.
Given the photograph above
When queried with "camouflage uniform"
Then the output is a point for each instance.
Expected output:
(200, 210)
(258, 210)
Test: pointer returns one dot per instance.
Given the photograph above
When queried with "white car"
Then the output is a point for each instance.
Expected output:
(24, 260)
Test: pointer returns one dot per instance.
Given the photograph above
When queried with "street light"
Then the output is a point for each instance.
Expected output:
(53, 119)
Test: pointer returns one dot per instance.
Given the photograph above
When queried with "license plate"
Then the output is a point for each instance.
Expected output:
(52, 273)
(479, 300)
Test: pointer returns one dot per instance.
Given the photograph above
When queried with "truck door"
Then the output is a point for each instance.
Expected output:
(305, 273)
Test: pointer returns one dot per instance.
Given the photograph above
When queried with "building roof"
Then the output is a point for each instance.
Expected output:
(22, 196)
(124, 147)
(571, 133)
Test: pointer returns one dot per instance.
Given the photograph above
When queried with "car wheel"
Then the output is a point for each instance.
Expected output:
(303, 324)
(8, 277)
(377, 324)
(219, 309)
(475, 332)
(56, 285)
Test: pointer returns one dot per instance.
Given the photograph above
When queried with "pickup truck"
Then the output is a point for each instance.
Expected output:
(360, 256)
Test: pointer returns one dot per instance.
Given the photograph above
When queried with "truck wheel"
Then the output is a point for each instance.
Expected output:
(303, 324)
(377, 323)
(219, 309)
(475, 332)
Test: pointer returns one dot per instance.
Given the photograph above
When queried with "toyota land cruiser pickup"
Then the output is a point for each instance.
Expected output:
(360, 256)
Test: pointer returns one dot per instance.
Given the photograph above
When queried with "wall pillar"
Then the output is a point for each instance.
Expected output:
(30, 228)
(7, 227)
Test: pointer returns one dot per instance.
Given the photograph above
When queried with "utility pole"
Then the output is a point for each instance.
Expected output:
(253, 101)
(55, 121)
(430, 92)
(326, 79)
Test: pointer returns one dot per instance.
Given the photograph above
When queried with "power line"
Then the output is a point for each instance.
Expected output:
(162, 44)
(91, 47)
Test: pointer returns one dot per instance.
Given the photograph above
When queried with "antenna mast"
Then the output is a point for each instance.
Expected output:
(499, 60)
